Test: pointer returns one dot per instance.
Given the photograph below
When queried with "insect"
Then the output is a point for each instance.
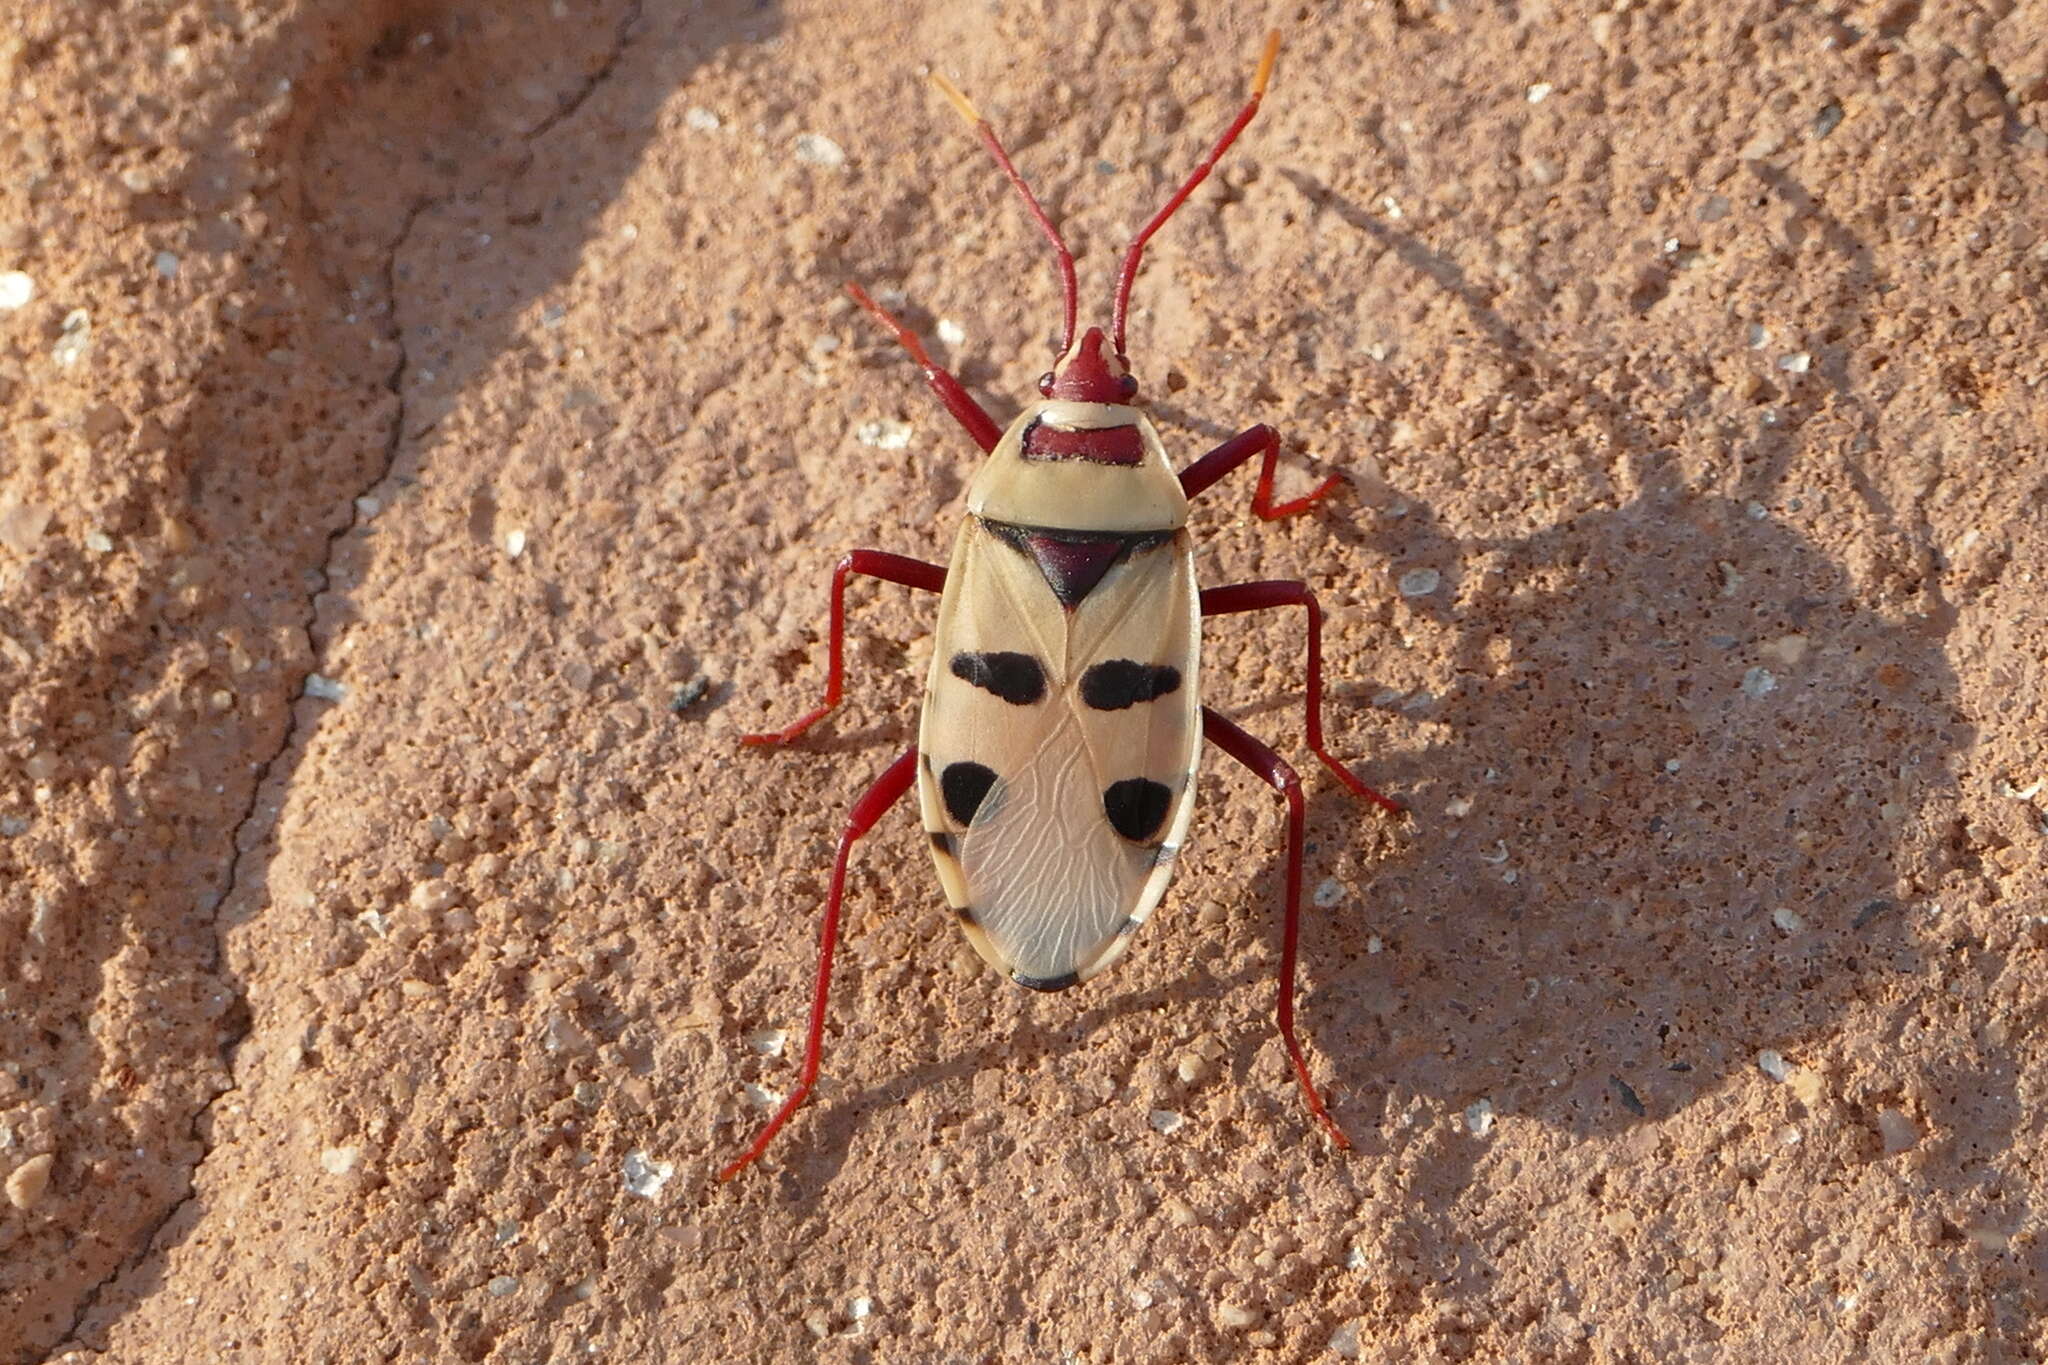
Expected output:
(1062, 725)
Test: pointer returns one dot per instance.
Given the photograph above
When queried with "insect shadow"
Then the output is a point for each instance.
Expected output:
(1677, 797)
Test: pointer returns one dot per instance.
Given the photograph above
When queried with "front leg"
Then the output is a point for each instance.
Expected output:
(912, 573)
(1294, 593)
(1259, 440)
(951, 393)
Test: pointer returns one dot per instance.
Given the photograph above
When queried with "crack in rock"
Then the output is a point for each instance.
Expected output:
(241, 841)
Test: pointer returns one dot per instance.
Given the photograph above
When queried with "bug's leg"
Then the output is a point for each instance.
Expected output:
(1232, 740)
(912, 573)
(957, 400)
(1258, 440)
(1238, 597)
(888, 789)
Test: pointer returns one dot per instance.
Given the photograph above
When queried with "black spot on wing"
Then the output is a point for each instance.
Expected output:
(942, 842)
(1048, 983)
(1117, 683)
(1016, 678)
(965, 786)
(1136, 807)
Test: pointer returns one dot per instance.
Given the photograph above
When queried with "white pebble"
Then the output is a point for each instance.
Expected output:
(1329, 893)
(1375, 944)
(1165, 1120)
(951, 332)
(767, 1041)
(1479, 1117)
(1141, 1299)
(1788, 919)
(1458, 807)
(1758, 682)
(1344, 1341)
(340, 1160)
(167, 264)
(502, 1285)
(1799, 362)
(515, 543)
(645, 1176)
(324, 688)
(885, 435)
(1420, 582)
(815, 149)
(16, 289)
(1540, 92)
(434, 895)
(1773, 1064)
(701, 120)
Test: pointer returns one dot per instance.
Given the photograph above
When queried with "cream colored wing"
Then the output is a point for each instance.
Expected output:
(1060, 735)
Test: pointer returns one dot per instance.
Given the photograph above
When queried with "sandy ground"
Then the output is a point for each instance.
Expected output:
(427, 432)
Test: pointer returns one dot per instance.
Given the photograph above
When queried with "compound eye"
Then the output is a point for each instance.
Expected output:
(1045, 384)
(1128, 386)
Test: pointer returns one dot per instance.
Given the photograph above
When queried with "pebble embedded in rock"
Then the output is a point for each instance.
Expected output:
(434, 895)
(30, 1181)
(1479, 1118)
(815, 149)
(1420, 582)
(1897, 1129)
(644, 1175)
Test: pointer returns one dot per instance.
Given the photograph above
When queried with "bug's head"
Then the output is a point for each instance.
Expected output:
(1093, 369)
(1089, 372)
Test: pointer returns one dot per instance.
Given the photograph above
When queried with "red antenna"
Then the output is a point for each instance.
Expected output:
(1052, 234)
(1136, 250)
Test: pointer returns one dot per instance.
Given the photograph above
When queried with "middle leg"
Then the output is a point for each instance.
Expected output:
(912, 573)
(1237, 597)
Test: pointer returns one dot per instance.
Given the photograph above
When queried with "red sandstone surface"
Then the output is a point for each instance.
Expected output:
(427, 431)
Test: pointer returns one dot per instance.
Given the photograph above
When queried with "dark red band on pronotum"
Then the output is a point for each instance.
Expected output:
(1102, 445)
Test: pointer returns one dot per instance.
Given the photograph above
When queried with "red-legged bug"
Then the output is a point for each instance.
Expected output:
(1056, 758)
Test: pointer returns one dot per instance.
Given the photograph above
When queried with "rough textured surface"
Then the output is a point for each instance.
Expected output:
(412, 402)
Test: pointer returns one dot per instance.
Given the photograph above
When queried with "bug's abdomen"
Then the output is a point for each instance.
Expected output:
(1059, 739)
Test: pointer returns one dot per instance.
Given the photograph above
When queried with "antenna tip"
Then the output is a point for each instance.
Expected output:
(1266, 60)
(958, 100)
